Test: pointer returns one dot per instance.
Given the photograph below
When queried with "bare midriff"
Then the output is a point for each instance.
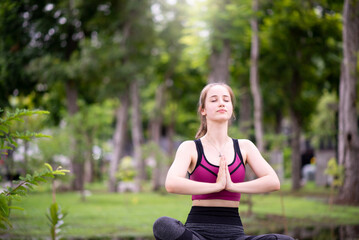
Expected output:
(215, 203)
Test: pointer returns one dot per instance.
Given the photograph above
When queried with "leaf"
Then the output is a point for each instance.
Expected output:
(4, 129)
(4, 220)
(41, 179)
(16, 207)
(48, 166)
(4, 208)
(21, 188)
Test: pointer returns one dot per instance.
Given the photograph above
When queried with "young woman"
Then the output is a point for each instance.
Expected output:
(216, 166)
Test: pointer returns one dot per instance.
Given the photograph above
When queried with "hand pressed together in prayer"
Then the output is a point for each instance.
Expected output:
(224, 177)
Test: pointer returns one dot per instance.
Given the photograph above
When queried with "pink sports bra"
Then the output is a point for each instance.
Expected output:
(205, 171)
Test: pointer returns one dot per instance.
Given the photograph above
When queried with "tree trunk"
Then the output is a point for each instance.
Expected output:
(254, 80)
(118, 140)
(89, 174)
(156, 125)
(171, 134)
(245, 120)
(121, 119)
(71, 97)
(219, 63)
(137, 133)
(295, 145)
(156, 121)
(256, 91)
(341, 119)
(77, 163)
(348, 147)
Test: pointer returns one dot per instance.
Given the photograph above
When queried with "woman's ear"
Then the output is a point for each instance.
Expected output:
(203, 112)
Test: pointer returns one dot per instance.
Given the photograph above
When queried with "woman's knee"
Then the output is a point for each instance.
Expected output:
(281, 237)
(162, 222)
(166, 228)
(271, 237)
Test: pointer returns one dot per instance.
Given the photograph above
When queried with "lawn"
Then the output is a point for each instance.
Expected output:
(106, 215)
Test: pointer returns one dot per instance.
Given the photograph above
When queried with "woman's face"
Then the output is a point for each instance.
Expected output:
(218, 104)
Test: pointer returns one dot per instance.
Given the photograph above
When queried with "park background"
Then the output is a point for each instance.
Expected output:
(121, 81)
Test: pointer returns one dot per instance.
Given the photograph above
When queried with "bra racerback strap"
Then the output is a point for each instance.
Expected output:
(238, 150)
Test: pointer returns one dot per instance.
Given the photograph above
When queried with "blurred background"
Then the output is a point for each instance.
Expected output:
(121, 81)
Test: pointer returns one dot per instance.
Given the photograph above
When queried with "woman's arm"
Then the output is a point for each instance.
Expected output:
(176, 181)
(267, 180)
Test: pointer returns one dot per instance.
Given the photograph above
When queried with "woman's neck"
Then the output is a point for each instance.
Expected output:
(217, 133)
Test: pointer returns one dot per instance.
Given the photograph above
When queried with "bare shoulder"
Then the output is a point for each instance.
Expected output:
(187, 148)
(186, 155)
(245, 144)
(187, 145)
(246, 147)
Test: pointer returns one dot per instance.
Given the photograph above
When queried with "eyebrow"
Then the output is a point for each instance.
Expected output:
(217, 96)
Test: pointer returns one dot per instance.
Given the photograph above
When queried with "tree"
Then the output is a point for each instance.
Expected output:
(240, 14)
(254, 79)
(137, 132)
(293, 58)
(220, 43)
(170, 19)
(132, 30)
(8, 142)
(53, 31)
(348, 148)
(118, 140)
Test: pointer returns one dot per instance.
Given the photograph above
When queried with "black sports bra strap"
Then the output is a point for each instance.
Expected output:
(238, 150)
(199, 147)
(199, 151)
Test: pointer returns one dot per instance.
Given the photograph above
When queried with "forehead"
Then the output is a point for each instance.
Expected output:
(218, 90)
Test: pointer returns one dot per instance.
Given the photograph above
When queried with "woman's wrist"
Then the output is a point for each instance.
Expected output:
(219, 186)
(230, 187)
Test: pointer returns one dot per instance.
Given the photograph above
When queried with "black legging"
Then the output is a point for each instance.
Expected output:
(208, 223)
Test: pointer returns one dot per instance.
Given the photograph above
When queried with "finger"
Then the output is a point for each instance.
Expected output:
(226, 169)
(222, 173)
(223, 161)
(222, 168)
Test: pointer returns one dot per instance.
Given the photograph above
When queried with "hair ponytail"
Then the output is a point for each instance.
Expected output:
(202, 128)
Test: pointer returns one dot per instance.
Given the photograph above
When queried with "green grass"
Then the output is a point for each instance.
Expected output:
(109, 215)
(100, 215)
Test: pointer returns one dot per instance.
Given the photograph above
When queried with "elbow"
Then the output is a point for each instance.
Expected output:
(276, 185)
(169, 185)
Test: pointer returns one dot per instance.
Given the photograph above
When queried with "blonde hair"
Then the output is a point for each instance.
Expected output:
(201, 105)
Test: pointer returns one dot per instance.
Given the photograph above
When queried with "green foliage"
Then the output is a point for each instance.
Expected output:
(336, 171)
(56, 216)
(108, 216)
(7, 138)
(323, 125)
(152, 149)
(126, 170)
(21, 189)
(13, 54)
(287, 155)
(300, 49)
(275, 141)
